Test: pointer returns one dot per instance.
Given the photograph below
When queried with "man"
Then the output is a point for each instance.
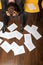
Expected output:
(12, 8)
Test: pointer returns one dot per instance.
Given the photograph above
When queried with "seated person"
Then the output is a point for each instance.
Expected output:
(10, 8)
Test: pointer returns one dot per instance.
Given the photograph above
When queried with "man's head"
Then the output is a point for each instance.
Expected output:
(12, 9)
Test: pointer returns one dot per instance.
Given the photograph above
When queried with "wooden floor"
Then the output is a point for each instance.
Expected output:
(34, 57)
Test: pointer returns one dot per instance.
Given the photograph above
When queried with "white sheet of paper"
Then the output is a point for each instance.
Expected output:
(34, 27)
(31, 6)
(6, 46)
(28, 42)
(18, 35)
(7, 35)
(31, 30)
(14, 47)
(1, 25)
(27, 28)
(10, 35)
(36, 35)
(12, 27)
(17, 49)
(4, 35)
(1, 41)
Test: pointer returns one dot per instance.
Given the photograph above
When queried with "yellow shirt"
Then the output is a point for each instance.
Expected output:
(0, 5)
(31, 6)
(42, 4)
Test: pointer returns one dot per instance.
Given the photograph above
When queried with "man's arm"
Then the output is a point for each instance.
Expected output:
(20, 3)
(4, 4)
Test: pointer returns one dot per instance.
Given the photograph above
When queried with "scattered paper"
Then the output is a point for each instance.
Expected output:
(14, 47)
(34, 27)
(17, 49)
(6, 46)
(18, 35)
(4, 35)
(31, 6)
(27, 28)
(15, 34)
(28, 42)
(1, 41)
(10, 35)
(1, 25)
(33, 31)
(12, 27)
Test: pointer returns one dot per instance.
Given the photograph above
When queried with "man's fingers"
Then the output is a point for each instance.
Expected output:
(7, 13)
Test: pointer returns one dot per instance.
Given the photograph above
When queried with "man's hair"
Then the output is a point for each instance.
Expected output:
(15, 6)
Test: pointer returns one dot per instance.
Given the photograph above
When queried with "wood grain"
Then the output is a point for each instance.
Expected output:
(29, 58)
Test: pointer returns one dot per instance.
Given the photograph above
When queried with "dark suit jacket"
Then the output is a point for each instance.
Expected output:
(39, 3)
(20, 3)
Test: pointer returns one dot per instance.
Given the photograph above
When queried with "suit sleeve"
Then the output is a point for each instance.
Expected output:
(20, 3)
(4, 5)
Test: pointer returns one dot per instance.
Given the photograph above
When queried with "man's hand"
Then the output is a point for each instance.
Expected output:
(8, 14)
(11, 12)
(14, 13)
